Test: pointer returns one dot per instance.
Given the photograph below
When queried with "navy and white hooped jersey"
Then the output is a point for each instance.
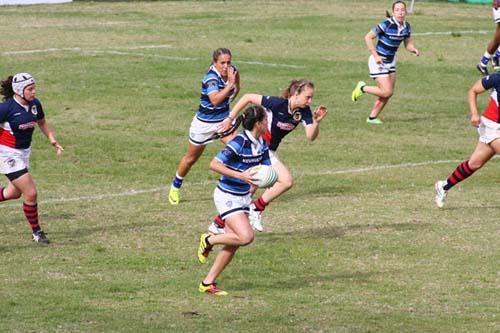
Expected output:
(212, 82)
(240, 154)
(390, 35)
(492, 111)
(18, 123)
(281, 120)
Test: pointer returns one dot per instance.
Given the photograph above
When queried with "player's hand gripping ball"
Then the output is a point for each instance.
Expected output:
(265, 176)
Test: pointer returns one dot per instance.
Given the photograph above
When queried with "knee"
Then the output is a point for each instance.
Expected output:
(190, 159)
(288, 183)
(386, 94)
(475, 165)
(246, 239)
(30, 195)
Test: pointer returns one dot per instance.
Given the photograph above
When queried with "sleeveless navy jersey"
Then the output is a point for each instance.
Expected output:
(17, 124)
(281, 120)
(390, 35)
(213, 82)
(240, 154)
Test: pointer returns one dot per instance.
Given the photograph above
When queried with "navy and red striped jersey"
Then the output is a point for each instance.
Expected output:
(492, 82)
(18, 123)
(281, 120)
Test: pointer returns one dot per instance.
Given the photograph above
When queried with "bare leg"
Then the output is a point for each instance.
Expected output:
(189, 159)
(284, 183)
(238, 233)
(383, 90)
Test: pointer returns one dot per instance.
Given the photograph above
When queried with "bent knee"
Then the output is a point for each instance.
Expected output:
(247, 239)
(387, 94)
(475, 165)
(30, 195)
(190, 159)
(288, 183)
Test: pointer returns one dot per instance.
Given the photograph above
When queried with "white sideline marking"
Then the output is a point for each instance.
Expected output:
(468, 32)
(159, 189)
(377, 168)
(117, 52)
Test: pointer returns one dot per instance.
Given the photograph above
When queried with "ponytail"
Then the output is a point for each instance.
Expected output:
(296, 86)
(251, 115)
(6, 88)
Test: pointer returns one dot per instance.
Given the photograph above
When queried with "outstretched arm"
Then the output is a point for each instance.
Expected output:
(312, 130)
(240, 105)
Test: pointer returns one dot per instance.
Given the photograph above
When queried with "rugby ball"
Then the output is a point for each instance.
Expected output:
(265, 176)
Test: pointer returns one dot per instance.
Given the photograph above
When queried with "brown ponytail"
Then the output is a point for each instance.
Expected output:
(6, 88)
(296, 86)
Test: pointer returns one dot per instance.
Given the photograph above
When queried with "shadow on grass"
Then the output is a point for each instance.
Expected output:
(328, 232)
(307, 280)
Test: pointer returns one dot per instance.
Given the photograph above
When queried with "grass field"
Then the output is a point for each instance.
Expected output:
(356, 246)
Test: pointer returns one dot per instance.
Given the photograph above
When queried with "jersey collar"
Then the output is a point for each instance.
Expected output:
(400, 26)
(252, 139)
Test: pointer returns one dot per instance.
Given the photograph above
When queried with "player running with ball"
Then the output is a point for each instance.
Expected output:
(286, 112)
(232, 196)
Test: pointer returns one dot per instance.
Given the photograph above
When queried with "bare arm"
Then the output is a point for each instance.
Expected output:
(44, 127)
(244, 101)
(219, 167)
(312, 130)
(370, 44)
(410, 47)
(474, 91)
(240, 105)
(218, 97)
(236, 86)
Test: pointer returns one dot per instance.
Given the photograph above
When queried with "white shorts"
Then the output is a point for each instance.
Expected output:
(12, 160)
(228, 204)
(273, 156)
(200, 132)
(488, 130)
(383, 69)
(496, 15)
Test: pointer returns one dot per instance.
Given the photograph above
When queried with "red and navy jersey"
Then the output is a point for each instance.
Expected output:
(492, 82)
(18, 123)
(281, 120)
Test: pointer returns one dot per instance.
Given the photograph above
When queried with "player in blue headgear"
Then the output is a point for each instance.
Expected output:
(20, 113)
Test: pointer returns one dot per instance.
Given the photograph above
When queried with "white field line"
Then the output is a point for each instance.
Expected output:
(134, 54)
(468, 32)
(298, 174)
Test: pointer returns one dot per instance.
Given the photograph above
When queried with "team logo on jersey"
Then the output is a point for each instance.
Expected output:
(34, 110)
(227, 151)
(297, 116)
(229, 204)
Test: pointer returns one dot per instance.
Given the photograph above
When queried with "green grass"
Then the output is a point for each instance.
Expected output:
(343, 251)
